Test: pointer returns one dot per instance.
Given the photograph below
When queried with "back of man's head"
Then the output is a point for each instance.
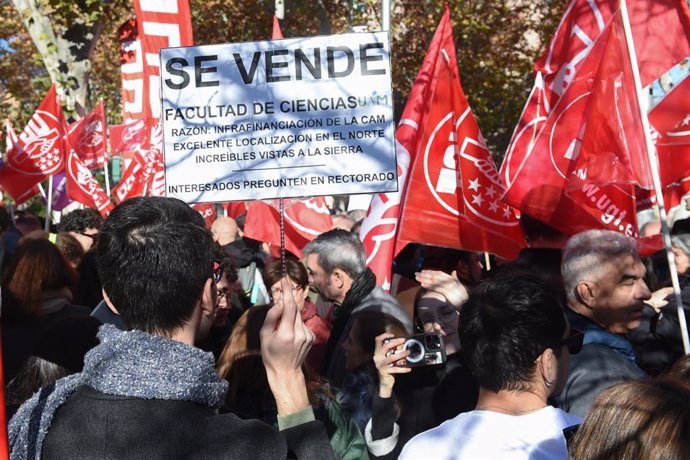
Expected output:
(79, 220)
(224, 230)
(340, 249)
(587, 256)
(506, 323)
(154, 256)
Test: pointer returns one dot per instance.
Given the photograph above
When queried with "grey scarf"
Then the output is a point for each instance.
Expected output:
(126, 363)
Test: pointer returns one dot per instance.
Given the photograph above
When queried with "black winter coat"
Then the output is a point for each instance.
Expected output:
(92, 425)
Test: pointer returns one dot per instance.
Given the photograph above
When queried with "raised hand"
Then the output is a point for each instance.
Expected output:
(285, 342)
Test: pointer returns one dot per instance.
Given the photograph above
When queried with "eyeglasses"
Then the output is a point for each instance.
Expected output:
(573, 341)
(93, 236)
(217, 271)
(277, 291)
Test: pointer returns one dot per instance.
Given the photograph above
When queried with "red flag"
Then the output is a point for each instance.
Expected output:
(670, 119)
(456, 200)
(304, 221)
(277, 33)
(39, 151)
(380, 226)
(131, 183)
(613, 148)
(160, 24)
(207, 211)
(537, 172)
(87, 137)
(84, 188)
(128, 138)
(235, 209)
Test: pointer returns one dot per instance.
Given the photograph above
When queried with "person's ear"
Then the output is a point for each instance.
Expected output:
(109, 303)
(586, 293)
(547, 367)
(209, 298)
(338, 278)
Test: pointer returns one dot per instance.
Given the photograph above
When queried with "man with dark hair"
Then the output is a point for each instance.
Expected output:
(148, 392)
(514, 337)
(83, 224)
(337, 269)
(604, 284)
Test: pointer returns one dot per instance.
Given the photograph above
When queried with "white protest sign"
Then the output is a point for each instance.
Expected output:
(287, 118)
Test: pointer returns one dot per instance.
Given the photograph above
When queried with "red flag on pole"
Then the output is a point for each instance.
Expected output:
(380, 226)
(304, 221)
(537, 171)
(128, 138)
(39, 151)
(87, 137)
(457, 192)
(277, 33)
(84, 188)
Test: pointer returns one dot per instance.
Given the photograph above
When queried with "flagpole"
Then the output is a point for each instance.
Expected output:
(654, 166)
(50, 204)
(107, 178)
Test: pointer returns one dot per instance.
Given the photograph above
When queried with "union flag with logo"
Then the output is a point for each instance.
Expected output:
(453, 196)
(83, 187)
(39, 152)
(557, 166)
(87, 136)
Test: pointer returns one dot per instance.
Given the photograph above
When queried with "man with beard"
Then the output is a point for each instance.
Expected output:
(337, 269)
(604, 286)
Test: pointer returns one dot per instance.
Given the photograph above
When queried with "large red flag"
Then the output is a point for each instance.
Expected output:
(304, 221)
(542, 160)
(613, 148)
(380, 226)
(39, 152)
(454, 192)
(83, 187)
(87, 136)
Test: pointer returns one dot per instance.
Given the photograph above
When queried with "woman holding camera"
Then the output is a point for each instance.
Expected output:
(361, 379)
(414, 399)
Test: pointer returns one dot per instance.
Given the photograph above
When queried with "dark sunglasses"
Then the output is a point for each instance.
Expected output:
(573, 341)
(217, 271)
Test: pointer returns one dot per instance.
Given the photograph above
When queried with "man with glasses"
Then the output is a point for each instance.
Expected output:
(603, 279)
(148, 392)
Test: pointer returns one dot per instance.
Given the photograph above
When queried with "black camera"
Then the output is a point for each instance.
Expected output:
(425, 350)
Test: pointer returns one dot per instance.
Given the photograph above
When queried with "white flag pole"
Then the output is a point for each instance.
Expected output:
(50, 204)
(107, 178)
(654, 166)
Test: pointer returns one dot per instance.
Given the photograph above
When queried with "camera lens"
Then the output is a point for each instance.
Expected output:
(416, 350)
(433, 342)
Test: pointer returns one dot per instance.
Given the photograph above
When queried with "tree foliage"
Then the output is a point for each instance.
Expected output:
(497, 43)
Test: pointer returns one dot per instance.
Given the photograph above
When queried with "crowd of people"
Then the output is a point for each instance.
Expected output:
(148, 335)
